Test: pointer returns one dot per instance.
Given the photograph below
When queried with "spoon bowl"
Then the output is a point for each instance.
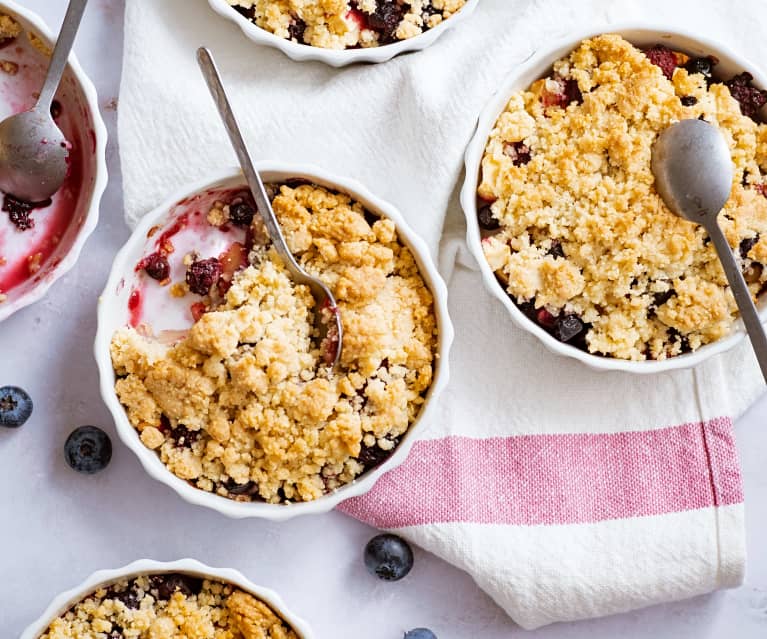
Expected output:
(33, 150)
(693, 174)
(33, 156)
(693, 170)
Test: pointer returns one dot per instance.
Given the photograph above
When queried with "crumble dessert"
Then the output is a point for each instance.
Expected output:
(169, 606)
(572, 224)
(244, 405)
(347, 24)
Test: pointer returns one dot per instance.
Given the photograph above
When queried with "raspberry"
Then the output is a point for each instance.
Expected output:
(664, 58)
(202, 275)
(750, 98)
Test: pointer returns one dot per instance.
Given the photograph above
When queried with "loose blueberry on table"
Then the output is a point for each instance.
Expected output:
(15, 406)
(388, 557)
(88, 450)
(420, 633)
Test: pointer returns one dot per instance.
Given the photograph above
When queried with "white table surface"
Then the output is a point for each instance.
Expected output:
(56, 527)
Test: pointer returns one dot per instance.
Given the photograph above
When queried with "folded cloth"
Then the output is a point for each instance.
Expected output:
(566, 493)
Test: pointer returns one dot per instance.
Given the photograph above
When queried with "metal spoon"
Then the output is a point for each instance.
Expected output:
(693, 174)
(33, 150)
(328, 319)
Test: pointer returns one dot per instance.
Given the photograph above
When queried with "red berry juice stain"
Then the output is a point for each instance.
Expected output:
(134, 307)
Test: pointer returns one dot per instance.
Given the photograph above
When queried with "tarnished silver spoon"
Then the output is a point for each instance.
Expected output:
(693, 174)
(33, 150)
(327, 316)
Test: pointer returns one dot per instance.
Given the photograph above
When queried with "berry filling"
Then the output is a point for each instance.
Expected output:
(486, 218)
(663, 57)
(561, 93)
(203, 274)
(385, 19)
(156, 266)
(19, 211)
(750, 98)
(519, 152)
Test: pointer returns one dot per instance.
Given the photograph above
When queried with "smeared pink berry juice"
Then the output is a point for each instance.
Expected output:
(152, 306)
(33, 242)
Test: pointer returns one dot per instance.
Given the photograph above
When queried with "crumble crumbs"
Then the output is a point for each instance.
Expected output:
(9, 28)
(243, 406)
(9, 67)
(574, 228)
(33, 263)
(345, 24)
(172, 606)
(39, 44)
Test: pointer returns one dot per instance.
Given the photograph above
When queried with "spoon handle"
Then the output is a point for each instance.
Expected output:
(212, 77)
(742, 296)
(61, 51)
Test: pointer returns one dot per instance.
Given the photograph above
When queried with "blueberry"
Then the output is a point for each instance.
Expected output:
(746, 245)
(704, 66)
(372, 456)
(156, 266)
(419, 633)
(15, 406)
(241, 213)
(388, 557)
(88, 450)
(567, 327)
(486, 219)
(166, 585)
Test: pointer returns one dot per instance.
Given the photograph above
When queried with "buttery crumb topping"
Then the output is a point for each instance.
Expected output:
(173, 606)
(574, 228)
(347, 24)
(243, 406)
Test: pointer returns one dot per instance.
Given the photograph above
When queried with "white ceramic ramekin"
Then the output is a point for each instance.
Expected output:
(340, 58)
(94, 174)
(536, 67)
(102, 578)
(112, 315)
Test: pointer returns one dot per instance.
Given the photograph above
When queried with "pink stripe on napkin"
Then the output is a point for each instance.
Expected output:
(557, 479)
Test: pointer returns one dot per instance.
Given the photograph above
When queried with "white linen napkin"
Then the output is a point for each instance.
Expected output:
(564, 492)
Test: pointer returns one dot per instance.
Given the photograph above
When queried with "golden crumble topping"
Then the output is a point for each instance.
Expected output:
(172, 606)
(345, 24)
(573, 226)
(244, 406)
(9, 28)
